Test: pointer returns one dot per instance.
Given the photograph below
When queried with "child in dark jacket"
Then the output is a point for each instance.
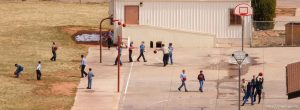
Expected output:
(201, 79)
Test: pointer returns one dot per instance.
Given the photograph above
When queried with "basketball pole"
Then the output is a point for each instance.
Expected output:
(243, 26)
(100, 36)
(239, 87)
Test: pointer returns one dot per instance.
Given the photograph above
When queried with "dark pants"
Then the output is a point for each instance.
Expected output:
(141, 55)
(165, 59)
(248, 94)
(18, 74)
(116, 61)
(82, 71)
(89, 84)
(109, 43)
(182, 85)
(253, 89)
(258, 92)
(54, 56)
(130, 56)
(38, 74)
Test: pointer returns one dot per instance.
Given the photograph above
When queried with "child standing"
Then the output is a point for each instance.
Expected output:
(90, 78)
(171, 52)
(38, 71)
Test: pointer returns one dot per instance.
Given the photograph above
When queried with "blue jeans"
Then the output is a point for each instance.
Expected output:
(201, 85)
(171, 57)
(18, 74)
(89, 83)
(247, 96)
(116, 61)
(244, 94)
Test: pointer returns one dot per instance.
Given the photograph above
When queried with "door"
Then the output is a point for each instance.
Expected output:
(132, 14)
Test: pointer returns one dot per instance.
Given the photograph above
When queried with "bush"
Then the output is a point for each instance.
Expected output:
(264, 10)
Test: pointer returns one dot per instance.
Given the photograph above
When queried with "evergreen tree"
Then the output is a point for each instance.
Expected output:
(264, 10)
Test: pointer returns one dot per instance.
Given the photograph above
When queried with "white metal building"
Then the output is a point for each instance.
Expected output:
(186, 23)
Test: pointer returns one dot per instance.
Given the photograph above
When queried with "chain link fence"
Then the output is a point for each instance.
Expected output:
(276, 34)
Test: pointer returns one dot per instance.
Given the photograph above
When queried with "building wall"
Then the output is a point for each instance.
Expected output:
(166, 36)
(83, 1)
(198, 16)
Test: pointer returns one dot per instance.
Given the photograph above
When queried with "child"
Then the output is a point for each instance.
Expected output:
(38, 71)
(183, 79)
(90, 78)
(142, 50)
(130, 51)
(18, 70)
(171, 52)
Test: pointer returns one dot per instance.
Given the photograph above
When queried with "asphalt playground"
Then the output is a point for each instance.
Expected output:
(150, 86)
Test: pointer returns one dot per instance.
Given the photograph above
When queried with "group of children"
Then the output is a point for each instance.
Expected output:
(183, 78)
(252, 89)
(167, 53)
(90, 74)
(20, 68)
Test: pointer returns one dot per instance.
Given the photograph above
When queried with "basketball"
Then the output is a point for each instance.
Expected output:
(154, 51)
(260, 74)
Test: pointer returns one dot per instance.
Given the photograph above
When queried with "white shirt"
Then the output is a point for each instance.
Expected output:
(39, 66)
(182, 76)
(83, 61)
(165, 50)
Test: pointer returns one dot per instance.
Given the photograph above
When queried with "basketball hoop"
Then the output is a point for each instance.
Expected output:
(243, 10)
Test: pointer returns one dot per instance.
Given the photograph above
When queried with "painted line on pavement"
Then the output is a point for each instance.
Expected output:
(157, 103)
(127, 84)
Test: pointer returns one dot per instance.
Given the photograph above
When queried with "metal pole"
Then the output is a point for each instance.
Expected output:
(239, 87)
(119, 41)
(243, 23)
(100, 35)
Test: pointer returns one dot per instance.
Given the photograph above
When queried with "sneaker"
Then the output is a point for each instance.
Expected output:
(186, 91)
(179, 89)
(145, 61)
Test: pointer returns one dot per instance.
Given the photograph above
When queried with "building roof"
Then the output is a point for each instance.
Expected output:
(188, 0)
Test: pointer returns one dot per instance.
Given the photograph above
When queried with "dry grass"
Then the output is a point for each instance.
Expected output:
(26, 32)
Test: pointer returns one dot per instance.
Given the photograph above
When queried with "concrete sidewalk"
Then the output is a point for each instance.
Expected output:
(103, 95)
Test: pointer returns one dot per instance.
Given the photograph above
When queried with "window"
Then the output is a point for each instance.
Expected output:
(234, 19)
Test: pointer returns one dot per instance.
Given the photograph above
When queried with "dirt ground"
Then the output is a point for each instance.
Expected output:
(27, 30)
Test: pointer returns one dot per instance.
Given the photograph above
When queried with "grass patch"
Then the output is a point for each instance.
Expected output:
(26, 32)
